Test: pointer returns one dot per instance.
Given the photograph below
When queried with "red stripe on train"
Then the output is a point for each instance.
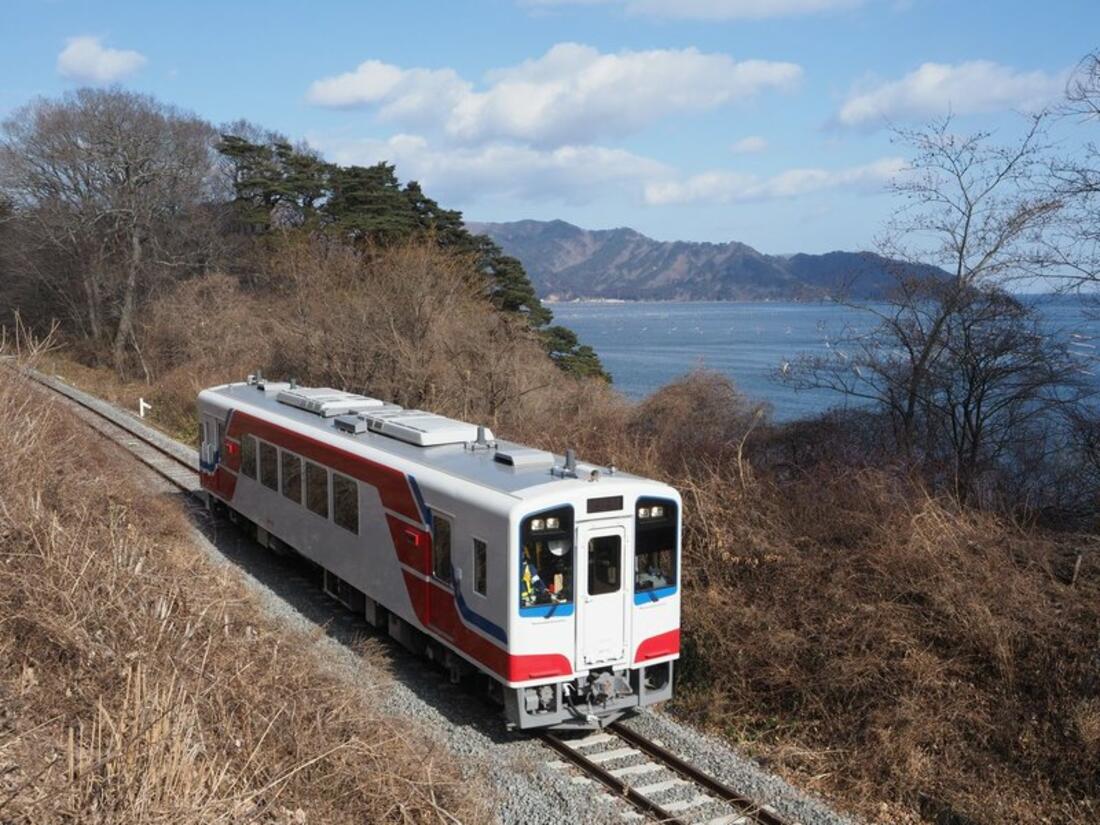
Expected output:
(414, 546)
(446, 620)
(220, 482)
(392, 485)
(664, 644)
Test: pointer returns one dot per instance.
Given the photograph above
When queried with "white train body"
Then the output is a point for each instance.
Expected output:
(558, 580)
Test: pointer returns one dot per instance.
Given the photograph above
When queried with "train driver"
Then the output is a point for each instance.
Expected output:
(534, 590)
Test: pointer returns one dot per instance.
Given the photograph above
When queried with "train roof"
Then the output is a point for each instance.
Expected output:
(458, 448)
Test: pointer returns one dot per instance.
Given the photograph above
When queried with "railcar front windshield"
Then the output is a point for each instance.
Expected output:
(655, 536)
(546, 559)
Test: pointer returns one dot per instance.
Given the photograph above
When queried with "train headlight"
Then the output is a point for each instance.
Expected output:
(657, 511)
(553, 523)
(538, 524)
(643, 512)
(558, 547)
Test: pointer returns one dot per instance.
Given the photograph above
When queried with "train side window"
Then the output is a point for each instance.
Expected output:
(292, 476)
(441, 547)
(248, 456)
(345, 502)
(269, 466)
(317, 489)
(481, 564)
(655, 535)
(221, 436)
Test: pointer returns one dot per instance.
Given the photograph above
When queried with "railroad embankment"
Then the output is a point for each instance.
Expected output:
(901, 654)
(891, 650)
(140, 682)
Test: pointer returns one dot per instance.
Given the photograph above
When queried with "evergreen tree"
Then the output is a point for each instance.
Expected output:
(280, 185)
(445, 225)
(257, 180)
(367, 203)
(571, 356)
(305, 181)
(511, 290)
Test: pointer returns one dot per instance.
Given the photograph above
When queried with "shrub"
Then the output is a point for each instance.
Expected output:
(141, 683)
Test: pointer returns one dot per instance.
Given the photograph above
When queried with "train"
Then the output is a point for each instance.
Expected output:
(553, 581)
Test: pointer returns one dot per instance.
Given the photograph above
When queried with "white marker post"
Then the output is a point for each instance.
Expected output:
(142, 407)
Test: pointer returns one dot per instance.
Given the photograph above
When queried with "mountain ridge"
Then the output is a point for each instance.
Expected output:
(567, 262)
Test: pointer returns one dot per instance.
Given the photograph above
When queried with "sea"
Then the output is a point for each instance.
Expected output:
(645, 345)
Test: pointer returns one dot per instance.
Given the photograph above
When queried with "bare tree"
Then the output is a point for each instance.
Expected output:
(1072, 250)
(959, 367)
(111, 193)
(968, 209)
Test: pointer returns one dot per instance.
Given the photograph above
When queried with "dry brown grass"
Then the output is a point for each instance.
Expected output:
(408, 324)
(139, 682)
(908, 658)
(891, 648)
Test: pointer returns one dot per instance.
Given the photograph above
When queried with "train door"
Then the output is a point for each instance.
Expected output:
(601, 624)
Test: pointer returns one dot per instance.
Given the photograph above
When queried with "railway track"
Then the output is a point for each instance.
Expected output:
(176, 463)
(654, 781)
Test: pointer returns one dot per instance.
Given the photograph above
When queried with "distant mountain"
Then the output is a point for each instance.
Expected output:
(565, 262)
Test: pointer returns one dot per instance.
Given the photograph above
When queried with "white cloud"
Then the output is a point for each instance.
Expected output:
(580, 174)
(86, 59)
(401, 94)
(715, 9)
(722, 186)
(749, 145)
(936, 88)
(572, 94)
(574, 174)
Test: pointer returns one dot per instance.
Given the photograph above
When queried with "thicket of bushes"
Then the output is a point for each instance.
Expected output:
(885, 642)
(880, 644)
(140, 683)
(916, 659)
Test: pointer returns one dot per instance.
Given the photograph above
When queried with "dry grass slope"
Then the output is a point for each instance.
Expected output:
(913, 660)
(910, 659)
(141, 683)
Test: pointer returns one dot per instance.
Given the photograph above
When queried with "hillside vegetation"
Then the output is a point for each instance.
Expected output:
(141, 683)
(875, 642)
(897, 608)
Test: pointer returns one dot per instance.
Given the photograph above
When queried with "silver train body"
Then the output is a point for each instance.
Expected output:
(556, 580)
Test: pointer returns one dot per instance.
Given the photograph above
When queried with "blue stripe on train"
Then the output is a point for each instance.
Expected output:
(548, 610)
(476, 619)
(425, 511)
(650, 596)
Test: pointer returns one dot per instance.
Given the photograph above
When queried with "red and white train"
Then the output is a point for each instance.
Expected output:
(557, 580)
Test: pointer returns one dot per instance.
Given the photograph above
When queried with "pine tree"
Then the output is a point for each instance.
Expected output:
(367, 203)
(511, 290)
(571, 356)
(280, 185)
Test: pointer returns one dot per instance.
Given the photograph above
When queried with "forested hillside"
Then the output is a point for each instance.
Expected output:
(567, 262)
(112, 199)
(894, 605)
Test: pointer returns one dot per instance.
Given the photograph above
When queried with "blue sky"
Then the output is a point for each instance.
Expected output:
(753, 120)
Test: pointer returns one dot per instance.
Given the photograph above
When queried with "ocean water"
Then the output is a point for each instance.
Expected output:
(645, 345)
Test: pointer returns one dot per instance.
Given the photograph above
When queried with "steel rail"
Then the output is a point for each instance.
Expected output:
(761, 813)
(74, 397)
(612, 782)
